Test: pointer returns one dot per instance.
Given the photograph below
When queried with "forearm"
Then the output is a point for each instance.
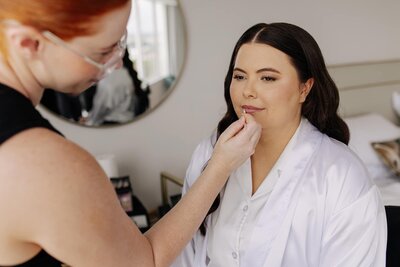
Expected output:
(169, 236)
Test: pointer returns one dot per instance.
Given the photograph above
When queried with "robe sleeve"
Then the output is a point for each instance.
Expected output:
(199, 159)
(356, 232)
(99, 109)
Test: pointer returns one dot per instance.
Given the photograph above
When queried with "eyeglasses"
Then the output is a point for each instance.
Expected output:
(111, 62)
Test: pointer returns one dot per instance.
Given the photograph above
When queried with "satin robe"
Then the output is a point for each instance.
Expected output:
(323, 210)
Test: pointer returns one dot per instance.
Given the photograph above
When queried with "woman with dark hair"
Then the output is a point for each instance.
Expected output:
(56, 203)
(303, 198)
(119, 97)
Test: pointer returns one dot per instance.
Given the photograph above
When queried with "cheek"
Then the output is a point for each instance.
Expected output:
(79, 74)
(77, 83)
(236, 91)
(288, 92)
(86, 73)
(235, 98)
(80, 68)
(75, 66)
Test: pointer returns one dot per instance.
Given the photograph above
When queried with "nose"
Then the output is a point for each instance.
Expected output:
(249, 90)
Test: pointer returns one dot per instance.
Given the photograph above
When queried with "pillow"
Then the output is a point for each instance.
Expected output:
(389, 152)
(366, 129)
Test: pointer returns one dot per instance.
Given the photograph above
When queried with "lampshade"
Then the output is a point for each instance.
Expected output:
(396, 103)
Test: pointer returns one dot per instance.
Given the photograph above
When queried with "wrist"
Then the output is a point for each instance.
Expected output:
(219, 169)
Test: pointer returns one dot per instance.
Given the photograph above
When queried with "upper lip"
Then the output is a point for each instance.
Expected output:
(247, 107)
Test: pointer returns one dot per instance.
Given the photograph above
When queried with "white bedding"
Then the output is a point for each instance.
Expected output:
(368, 128)
(388, 184)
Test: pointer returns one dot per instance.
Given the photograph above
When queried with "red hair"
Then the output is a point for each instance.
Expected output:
(65, 18)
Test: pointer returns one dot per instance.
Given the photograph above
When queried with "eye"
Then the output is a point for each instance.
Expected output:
(268, 78)
(238, 77)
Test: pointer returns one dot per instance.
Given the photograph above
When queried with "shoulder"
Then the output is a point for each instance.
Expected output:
(200, 157)
(345, 175)
(40, 145)
(55, 194)
(40, 170)
(205, 148)
(333, 159)
(340, 155)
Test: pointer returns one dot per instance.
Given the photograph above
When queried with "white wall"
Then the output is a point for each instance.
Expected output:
(347, 31)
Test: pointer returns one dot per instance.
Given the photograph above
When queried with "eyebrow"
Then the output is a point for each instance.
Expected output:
(260, 70)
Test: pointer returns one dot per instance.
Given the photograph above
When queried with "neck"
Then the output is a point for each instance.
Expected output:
(275, 140)
(268, 150)
(16, 74)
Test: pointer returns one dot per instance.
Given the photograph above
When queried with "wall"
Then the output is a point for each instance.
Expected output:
(347, 31)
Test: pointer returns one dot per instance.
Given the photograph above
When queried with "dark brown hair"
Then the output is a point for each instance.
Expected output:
(321, 104)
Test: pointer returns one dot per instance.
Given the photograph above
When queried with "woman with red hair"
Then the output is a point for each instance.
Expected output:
(48, 216)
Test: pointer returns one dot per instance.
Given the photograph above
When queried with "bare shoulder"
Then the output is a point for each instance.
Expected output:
(41, 168)
(39, 156)
(57, 196)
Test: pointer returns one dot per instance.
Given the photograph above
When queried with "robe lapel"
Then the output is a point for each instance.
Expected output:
(200, 256)
(273, 226)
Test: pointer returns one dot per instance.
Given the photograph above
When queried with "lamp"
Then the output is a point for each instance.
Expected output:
(396, 103)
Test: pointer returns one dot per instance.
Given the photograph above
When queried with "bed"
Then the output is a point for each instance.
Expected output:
(366, 91)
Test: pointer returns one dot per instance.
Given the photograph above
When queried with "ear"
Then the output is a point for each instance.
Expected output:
(305, 89)
(26, 40)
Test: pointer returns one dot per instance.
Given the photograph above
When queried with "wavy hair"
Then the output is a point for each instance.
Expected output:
(321, 104)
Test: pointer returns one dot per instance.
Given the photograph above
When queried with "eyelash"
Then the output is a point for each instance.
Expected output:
(268, 78)
(263, 78)
(238, 77)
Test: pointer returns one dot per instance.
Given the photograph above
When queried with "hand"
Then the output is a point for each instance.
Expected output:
(236, 144)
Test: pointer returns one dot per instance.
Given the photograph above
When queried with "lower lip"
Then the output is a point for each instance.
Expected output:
(252, 111)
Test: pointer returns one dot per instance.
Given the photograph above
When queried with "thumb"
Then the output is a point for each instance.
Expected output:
(248, 118)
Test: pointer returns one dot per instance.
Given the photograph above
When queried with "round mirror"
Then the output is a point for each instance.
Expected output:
(152, 64)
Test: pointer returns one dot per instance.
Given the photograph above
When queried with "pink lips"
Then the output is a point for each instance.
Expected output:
(251, 109)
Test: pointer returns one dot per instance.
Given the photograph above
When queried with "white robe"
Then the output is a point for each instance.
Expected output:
(114, 100)
(323, 210)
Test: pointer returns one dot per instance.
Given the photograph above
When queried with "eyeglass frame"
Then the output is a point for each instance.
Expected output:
(107, 67)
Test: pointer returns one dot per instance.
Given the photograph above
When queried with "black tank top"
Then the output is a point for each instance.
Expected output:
(17, 114)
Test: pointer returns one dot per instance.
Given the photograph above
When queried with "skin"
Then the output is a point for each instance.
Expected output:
(54, 193)
(264, 77)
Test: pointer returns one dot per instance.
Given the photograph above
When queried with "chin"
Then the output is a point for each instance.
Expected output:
(80, 88)
(238, 112)
(74, 94)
